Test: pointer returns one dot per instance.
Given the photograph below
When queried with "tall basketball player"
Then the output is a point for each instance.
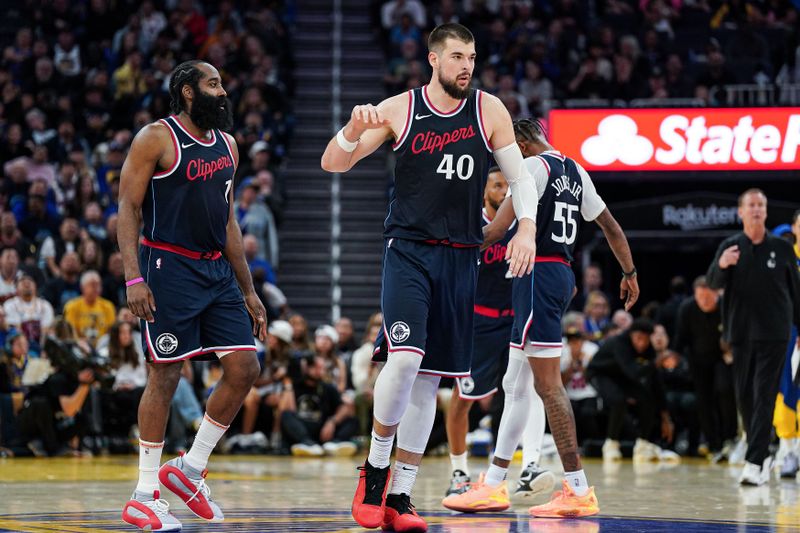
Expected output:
(566, 194)
(493, 319)
(443, 134)
(185, 282)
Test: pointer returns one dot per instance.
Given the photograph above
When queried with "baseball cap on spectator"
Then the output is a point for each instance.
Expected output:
(327, 331)
(282, 330)
(258, 146)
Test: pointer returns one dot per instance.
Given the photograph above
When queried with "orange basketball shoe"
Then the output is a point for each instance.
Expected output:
(566, 504)
(401, 516)
(480, 498)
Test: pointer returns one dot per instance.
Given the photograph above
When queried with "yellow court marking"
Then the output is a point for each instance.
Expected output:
(95, 469)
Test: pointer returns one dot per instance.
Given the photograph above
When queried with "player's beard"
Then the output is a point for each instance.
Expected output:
(451, 87)
(211, 112)
(495, 204)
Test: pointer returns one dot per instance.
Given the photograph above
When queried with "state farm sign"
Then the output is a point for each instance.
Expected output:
(679, 139)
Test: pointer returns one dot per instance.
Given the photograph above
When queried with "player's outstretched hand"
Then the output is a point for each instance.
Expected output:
(141, 301)
(521, 250)
(259, 314)
(367, 117)
(629, 291)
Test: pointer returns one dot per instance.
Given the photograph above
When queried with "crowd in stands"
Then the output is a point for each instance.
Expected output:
(78, 80)
(619, 50)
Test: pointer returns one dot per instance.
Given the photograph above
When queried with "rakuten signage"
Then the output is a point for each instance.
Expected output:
(679, 139)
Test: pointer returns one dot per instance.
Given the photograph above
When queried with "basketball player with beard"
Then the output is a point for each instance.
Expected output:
(188, 282)
(443, 134)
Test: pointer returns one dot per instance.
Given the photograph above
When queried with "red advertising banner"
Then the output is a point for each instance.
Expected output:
(679, 139)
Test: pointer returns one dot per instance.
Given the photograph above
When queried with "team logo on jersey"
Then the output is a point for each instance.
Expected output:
(617, 139)
(167, 343)
(399, 332)
(467, 384)
(771, 263)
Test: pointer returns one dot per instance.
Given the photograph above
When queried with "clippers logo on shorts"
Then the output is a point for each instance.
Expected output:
(166, 343)
(440, 172)
(187, 204)
(467, 385)
(399, 332)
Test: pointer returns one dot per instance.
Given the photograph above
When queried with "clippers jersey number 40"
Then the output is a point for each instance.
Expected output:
(463, 167)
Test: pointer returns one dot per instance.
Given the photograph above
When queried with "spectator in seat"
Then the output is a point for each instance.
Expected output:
(90, 315)
(65, 286)
(54, 247)
(9, 270)
(29, 314)
(576, 355)
(314, 419)
(624, 374)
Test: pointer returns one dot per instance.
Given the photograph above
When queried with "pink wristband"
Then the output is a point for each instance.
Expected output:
(134, 281)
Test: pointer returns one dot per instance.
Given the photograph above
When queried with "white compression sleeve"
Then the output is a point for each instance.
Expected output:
(518, 386)
(393, 386)
(520, 181)
(415, 427)
(534, 430)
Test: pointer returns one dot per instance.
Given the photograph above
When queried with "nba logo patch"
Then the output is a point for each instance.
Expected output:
(158, 264)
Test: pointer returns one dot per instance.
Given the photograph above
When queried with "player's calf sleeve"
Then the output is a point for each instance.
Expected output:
(417, 422)
(518, 386)
(393, 386)
(533, 434)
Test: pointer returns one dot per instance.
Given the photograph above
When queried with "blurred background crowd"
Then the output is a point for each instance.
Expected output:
(79, 79)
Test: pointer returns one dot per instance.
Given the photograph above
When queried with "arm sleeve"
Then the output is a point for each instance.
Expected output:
(591, 204)
(524, 193)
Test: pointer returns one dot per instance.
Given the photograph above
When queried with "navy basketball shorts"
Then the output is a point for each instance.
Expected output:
(427, 302)
(489, 357)
(540, 301)
(199, 307)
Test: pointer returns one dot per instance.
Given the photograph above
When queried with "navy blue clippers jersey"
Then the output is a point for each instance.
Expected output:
(440, 174)
(494, 288)
(559, 217)
(187, 205)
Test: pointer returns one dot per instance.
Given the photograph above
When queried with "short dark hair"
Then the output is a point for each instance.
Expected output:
(442, 32)
(530, 129)
(495, 168)
(795, 216)
(643, 325)
(752, 190)
(700, 281)
(186, 73)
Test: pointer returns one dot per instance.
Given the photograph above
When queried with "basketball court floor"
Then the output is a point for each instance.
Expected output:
(277, 494)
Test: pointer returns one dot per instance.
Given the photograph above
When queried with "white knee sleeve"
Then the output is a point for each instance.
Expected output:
(518, 386)
(415, 427)
(534, 429)
(393, 386)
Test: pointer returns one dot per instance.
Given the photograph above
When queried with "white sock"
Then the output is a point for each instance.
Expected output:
(577, 480)
(459, 462)
(204, 442)
(379, 450)
(495, 475)
(404, 477)
(149, 462)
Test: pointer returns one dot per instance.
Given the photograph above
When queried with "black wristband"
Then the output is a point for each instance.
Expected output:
(629, 274)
